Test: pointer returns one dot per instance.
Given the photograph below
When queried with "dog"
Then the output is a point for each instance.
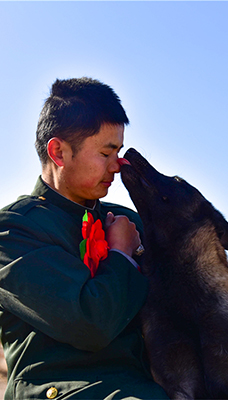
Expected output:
(185, 318)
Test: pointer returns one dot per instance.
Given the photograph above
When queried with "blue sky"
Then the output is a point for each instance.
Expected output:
(167, 61)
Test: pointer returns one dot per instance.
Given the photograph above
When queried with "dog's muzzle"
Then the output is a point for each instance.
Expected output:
(140, 250)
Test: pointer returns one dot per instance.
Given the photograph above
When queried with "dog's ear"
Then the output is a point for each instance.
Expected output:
(221, 225)
(224, 240)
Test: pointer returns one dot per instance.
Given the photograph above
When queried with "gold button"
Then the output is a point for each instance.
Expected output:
(42, 198)
(52, 393)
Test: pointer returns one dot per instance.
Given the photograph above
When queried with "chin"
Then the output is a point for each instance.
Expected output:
(103, 193)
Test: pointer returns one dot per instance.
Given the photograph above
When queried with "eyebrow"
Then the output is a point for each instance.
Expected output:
(113, 146)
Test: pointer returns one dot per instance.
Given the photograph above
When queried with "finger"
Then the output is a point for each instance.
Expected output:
(109, 219)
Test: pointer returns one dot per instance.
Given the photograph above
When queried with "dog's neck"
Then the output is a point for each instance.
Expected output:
(199, 246)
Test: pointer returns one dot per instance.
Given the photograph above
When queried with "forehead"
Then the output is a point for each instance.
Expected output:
(109, 136)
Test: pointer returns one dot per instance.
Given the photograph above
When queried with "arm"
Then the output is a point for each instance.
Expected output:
(50, 288)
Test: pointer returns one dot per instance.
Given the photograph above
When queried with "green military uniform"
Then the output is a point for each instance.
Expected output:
(65, 335)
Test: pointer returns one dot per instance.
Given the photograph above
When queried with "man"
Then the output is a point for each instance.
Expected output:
(68, 334)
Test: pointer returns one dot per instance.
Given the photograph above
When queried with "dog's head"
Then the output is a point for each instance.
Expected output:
(167, 204)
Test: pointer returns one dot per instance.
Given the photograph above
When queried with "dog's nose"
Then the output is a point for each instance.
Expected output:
(131, 150)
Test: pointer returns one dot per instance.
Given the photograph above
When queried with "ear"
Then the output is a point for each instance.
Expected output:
(224, 240)
(222, 228)
(220, 224)
(55, 151)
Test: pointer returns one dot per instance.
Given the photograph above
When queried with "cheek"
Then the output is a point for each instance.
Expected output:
(90, 176)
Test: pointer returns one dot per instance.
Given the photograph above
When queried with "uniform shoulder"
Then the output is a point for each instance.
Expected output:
(24, 204)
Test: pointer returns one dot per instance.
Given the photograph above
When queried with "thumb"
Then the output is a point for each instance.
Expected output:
(109, 219)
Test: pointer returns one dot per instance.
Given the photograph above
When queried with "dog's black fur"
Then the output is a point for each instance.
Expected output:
(185, 318)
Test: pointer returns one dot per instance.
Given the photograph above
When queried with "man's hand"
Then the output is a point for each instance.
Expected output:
(121, 234)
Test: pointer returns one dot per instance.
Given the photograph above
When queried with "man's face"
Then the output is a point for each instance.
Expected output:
(88, 174)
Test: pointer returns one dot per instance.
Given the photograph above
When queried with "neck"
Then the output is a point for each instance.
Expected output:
(52, 176)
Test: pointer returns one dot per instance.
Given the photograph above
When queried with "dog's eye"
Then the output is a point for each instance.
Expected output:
(177, 178)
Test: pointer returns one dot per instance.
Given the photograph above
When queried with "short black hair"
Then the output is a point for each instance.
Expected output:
(75, 110)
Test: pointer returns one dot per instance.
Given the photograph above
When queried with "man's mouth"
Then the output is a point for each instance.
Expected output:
(106, 183)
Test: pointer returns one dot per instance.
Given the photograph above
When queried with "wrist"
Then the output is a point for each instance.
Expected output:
(122, 249)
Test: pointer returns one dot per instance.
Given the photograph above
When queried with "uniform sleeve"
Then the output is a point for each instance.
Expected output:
(50, 288)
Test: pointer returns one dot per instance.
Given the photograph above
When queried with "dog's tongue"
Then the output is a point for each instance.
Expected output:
(123, 161)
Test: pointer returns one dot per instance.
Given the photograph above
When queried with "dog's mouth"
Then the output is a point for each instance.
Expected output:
(136, 169)
(141, 181)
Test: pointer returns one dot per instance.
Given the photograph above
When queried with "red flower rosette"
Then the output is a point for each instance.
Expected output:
(94, 247)
(87, 222)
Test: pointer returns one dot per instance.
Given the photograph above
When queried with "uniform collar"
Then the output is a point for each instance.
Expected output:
(43, 190)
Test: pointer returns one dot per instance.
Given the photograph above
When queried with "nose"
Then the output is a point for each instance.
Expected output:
(114, 167)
